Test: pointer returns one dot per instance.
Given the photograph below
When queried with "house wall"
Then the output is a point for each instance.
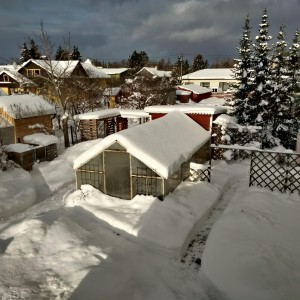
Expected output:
(209, 83)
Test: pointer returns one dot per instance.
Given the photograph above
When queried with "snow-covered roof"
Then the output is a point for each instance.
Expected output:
(59, 68)
(181, 92)
(113, 91)
(24, 106)
(41, 139)
(13, 66)
(192, 109)
(155, 72)
(196, 89)
(98, 114)
(113, 71)
(210, 74)
(162, 145)
(94, 72)
(14, 74)
(214, 101)
(112, 112)
(133, 113)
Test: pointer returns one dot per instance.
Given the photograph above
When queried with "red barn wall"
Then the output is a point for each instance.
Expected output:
(203, 120)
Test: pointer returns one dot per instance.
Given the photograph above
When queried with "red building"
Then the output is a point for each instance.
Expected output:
(203, 115)
(193, 92)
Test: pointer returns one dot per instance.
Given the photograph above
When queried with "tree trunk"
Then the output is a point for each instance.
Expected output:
(66, 132)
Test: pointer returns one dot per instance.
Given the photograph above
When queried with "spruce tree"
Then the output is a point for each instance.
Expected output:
(198, 63)
(294, 62)
(25, 55)
(242, 73)
(259, 100)
(75, 54)
(281, 99)
(34, 50)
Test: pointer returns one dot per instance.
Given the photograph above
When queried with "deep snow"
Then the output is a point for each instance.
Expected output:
(58, 243)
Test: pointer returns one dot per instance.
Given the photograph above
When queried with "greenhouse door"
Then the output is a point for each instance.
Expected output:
(117, 174)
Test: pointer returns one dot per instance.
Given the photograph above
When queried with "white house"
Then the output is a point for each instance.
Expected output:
(219, 80)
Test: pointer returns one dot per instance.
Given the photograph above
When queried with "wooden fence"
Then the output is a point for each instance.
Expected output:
(268, 169)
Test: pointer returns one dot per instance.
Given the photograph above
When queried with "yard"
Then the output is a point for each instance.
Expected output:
(218, 240)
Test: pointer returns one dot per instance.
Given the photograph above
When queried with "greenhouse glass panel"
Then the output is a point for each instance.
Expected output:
(117, 174)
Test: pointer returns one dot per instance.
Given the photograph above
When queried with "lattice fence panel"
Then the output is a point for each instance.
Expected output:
(275, 171)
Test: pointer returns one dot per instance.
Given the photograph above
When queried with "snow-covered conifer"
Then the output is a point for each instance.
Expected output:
(242, 73)
(259, 100)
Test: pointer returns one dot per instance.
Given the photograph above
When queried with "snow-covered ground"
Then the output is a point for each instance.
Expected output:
(59, 243)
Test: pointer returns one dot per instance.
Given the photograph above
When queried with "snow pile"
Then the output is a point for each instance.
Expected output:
(259, 237)
(41, 139)
(59, 171)
(148, 218)
(17, 191)
(225, 121)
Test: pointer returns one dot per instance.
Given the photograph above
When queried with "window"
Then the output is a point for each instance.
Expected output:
(224, 86)
(33, 72)
(205, 84)
(5, 78)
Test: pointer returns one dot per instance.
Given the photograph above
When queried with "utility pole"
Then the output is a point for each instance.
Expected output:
(181, 63)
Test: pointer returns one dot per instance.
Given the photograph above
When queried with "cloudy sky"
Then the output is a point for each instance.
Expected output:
(110, 30)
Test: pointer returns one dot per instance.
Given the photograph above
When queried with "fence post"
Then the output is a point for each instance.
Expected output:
(286, 177)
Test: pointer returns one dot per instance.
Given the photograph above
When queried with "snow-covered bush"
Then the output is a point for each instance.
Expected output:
(5, 163)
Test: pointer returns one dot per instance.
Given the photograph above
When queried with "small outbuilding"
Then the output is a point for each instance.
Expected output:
(27, 114)
(150, 159)
(101, 123)
(196, 93)
(204, 115)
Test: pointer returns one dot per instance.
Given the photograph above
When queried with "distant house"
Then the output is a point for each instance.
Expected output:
(112, 96)
(12, 82)
(193, 92)
(34, 68)
(94, 72)
(117, 75)
(219, 80)
(153, 72)
(204, 115)
(149, 159)
(27, 114)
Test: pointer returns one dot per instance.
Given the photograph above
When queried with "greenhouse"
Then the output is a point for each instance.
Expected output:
(149, 159)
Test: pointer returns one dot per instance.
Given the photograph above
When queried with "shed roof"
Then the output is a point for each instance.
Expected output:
(112, 112)
(25, 106)
(192, 109)
(194, 88)
(162, 145)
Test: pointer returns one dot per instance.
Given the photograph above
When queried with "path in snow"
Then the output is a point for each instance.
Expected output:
(192, 256)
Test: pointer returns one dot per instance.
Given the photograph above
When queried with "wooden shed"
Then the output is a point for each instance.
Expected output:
(204, 115)
(28, 114)
(101, 123)
(149, 159)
